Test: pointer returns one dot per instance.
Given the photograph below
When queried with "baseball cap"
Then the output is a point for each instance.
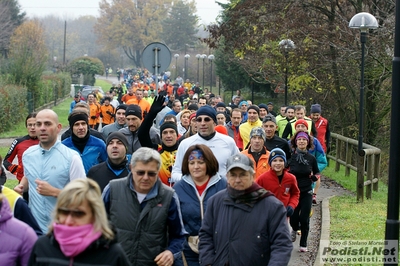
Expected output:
(239, 161)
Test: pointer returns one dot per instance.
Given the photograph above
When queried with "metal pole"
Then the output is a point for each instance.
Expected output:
(363, 39)
(65, 41)
(211, 76)
(203, 75)
(198, 69)
(286, 77)
(156, 67)
(392, 221)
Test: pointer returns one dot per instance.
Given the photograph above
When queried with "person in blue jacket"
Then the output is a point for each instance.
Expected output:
(91, 149)
(200, 181)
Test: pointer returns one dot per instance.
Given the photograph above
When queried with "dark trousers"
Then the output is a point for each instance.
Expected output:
(301, 216)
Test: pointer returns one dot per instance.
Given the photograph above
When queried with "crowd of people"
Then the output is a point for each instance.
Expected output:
(163, 174)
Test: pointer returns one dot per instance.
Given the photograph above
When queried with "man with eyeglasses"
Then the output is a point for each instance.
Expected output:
(222, 145)
(145, 212)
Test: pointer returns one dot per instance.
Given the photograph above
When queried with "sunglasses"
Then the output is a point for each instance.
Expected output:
(205, 119)
(149, 174)
(73, 213)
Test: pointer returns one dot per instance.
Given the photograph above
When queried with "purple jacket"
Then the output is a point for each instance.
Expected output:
(16, 237)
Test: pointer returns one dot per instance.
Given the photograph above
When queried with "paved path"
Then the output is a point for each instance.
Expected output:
(327, 189)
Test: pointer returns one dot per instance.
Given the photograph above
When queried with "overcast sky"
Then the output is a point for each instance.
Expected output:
(207, 10)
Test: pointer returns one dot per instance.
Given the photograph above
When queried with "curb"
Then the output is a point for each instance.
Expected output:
(325, 226)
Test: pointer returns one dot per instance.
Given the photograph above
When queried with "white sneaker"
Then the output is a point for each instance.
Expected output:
(303, 249)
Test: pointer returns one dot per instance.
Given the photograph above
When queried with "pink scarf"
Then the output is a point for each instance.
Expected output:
(74, 239)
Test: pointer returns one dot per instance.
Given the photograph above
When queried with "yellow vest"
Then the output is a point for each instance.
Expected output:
(11, 196)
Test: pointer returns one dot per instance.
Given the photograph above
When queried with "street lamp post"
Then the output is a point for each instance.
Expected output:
(203, 56)
(362, 21)
(198, 67)
(186, 72)
(176, 64)
(211, 58)
(286, 45)
(392, 221)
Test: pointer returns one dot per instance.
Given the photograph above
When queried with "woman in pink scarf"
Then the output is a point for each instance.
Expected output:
(79, 233)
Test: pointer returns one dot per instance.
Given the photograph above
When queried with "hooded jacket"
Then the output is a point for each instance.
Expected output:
(19, 237)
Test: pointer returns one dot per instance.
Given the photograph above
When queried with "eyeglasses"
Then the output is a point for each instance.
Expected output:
(149, 174)
(73, 213)
(205, 119)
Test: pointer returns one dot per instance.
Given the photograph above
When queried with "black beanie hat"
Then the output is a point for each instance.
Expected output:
(254, 107)
(121, 106)
(133, 109)
(119, 136)
(193, 107)
(220, 104)
(208, 111)
(73, 117)
(168, 124)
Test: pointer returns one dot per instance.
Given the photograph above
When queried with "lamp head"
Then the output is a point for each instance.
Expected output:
(363, 21)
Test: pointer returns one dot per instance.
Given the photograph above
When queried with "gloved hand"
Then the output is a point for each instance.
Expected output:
(93, 117)
(144, 114)
(108, 112)
(314, 178)
(158, 104)
(289, 211)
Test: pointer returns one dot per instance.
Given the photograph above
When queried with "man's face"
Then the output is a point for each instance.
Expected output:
(257, 143)
(193, 125)
(269, 128)
(31, 127)
(172, 97)
(47, 128)
(263, 112)
(205, 125)
(236, 118)
(290, 114)
(80, 129)
(145, 94)
(177, 107)
(315, 116)
(244, 107)
(90, 98)
(116, 150)
(270, 107)
(130, 91)
(252, 115)
(144, 176)
(283, 111)
(139, 95)
(77, 100)
(169, 137)
(106, 102)
(300, 114)
(221, 119)
(133, 122)
(202, 102)
(236, 101)
(239, 179)
(120, 116)
(301, 127)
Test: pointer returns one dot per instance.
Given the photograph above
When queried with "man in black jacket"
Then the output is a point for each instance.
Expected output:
(116, 166)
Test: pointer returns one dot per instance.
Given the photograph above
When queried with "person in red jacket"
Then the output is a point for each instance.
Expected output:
(280, 182)
(19, 146)
(322, 127)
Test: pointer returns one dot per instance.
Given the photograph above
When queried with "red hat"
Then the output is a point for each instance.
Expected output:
(221, 129)
(191, 116)
(301, 121)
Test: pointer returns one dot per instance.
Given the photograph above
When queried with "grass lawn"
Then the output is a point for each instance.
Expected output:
(352, 220)
(104, 84)
(61, 109)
